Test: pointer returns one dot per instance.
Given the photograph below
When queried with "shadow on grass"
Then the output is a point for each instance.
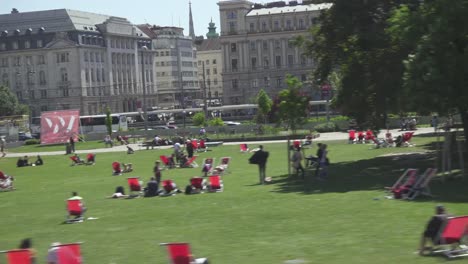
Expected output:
(375, 174)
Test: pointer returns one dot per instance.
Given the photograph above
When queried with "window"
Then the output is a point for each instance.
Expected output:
(290, 44)
(253, 63)
(32, 95)
(235, 84)
(65, 92)
(266, 81)
(104, 75)
(266, 62)
(14, 44)
(278, 44)
(4, 62)
(40, 59)
(231, 14)
(215, 81)
(207, 62)
(97, 57)
(288, 24)
(207, 71)
(87, 75)
(252, 27)
(254, 83)
(214, 61)
(278, 61)
(265, 45)
(42, 78)
(43, 94)
(39, 43)
(17, 61)
(19, 95)
(215, 70)
(301, 24)
(279, 82)
(276, 25)
(29, 60)
(2, 46)
(91, 57)
(303, 78)
(232, 27)
(290, 60)
(234, 64)
(252, 45)
(5, 80)
(27, 44)
(303, 60)
(264, 26)
(98, 76)
(233, 47)
(86, 56)
(64, 75)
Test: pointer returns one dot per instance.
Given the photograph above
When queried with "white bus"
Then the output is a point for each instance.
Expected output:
(91, 123)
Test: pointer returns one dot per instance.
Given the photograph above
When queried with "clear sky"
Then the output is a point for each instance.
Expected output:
(158, 12)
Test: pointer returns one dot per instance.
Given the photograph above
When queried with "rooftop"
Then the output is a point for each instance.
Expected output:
(265, 10)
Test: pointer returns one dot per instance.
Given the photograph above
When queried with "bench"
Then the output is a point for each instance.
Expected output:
(147, 144)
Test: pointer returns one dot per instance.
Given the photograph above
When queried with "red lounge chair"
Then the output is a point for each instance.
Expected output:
(17, 256)
(75, 160)
(116, 170)
(352, 136)
(407, 138)
(165, 160)
(69, 254)
(202, 146)
(369, 135)
(360, 136)
(6, 182)
(452, 240)
(74, 208)
(421, 187)
(90, 158)
(408, 178)
(169, 187)
(208, 165)
(198, 184)
(296, 144)
(191, 162)
(195, 144)
(215, 184)
(179, 253)
(244, 148)
(134, 184)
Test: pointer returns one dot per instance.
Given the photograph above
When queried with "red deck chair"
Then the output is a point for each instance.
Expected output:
(202, 146)
(195, 144)
(452, 241)
(352, 136)
(17, 256)
(134, 184)
(116, 170)
(223, 166)
(208, 165)
(215, 184)
(165, 161)
(75, 161)
(6, 182)
(408, 178)
(360, 137)
(369, 136)
(296, 144)
(74, 208)
(90, 158)
(244, 148)
(197, 183)
(179, 253)
(421, 187)
(169, 187)
(191, 162)
(407, 138)
(69, 254)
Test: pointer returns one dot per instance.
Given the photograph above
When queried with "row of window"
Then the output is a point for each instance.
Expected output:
(277, 25)
(208, 82)
(176, 73)
(266, 62)
(265, 45)
(175, 63)
(207, 62)
(122, 43)
(266, 82)
(95, 75)
(92, 40)
(21, 44)
(208, 71)
(30, 78)
(18, 61)
(93, 56)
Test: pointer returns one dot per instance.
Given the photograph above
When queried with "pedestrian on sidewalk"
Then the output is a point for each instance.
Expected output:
(260, 158)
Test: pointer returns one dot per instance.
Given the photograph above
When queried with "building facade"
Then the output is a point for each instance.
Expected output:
(176, 66)
(210, 63)
(256, 46)
(67, 59)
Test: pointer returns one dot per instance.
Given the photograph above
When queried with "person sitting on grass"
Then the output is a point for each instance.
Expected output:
(27, 244)
(6, 182)
(22, 162)
(152, 188)
(76, 160)
(433, 227)
(127, 167)
(39, 161)
(130, 150)
(75, 196)
(119, 193)
(183, 161)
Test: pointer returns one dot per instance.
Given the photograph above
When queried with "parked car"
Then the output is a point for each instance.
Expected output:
(172, 127)
(160, 127)
(231, 123)
(22, 136)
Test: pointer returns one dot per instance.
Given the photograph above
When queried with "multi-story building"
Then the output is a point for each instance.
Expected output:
(257, 48)
(176, 67)
(67, 59)
(210, 61)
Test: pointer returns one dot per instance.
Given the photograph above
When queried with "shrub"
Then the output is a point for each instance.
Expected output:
(326, 127)
(199, 119)
(216, 122)
(32, 141)
(339, 118)
(271, 130)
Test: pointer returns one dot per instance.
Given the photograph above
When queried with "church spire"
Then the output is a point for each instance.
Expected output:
(191, 29)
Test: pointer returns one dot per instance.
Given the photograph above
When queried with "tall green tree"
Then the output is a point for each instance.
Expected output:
(351, 39)
(264, 104)
(436, 70)
(199, 119)
(108, 121)
(9, 104)
(293, 105)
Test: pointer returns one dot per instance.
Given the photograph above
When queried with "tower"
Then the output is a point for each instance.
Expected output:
(191, 29)
(212, 30)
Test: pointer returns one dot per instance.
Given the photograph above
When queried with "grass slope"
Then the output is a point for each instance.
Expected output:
(343, 220)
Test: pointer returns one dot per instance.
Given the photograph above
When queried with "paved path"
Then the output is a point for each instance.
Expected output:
(122, 148)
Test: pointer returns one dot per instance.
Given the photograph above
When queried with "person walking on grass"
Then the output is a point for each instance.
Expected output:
(323, 163)
(297, 162)
(72, 144)
(260, 158)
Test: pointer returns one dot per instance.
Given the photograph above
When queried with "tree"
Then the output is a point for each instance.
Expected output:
(199, 119)
(351, 39)
(108, 121)
(264, 104)
(293, 104)
(9, 103)
(436, 69)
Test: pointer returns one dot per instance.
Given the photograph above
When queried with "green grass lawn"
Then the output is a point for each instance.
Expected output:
(344, 220)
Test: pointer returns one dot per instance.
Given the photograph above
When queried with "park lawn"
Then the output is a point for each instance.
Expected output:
(343, 220)
(57, 147)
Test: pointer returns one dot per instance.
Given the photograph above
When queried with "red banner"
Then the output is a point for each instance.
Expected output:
(59, 126)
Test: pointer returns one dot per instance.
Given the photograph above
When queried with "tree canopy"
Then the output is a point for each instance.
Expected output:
(264, 104)
(9, 104)
(293, 104)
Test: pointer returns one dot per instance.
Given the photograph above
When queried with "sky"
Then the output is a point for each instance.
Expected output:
(155, 12)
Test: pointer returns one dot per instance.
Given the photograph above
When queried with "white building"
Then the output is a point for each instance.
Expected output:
(67, 59)
(257, 48)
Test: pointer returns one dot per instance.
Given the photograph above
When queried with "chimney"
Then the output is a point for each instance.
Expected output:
(14, 11)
